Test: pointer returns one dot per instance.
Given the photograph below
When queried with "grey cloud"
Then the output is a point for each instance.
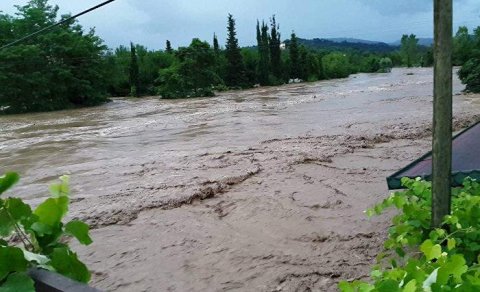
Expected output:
(152, 22)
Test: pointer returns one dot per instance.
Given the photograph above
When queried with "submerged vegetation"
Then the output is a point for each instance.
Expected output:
(418, 257)
(38, 238)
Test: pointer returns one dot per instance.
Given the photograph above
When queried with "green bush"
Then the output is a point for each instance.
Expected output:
(385, 65)
(59, 69)
(336, 65)
(420, 258)
(470, 75)
(37, 238)
(193, 75)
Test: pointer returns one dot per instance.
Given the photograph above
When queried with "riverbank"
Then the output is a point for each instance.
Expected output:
(257, 190)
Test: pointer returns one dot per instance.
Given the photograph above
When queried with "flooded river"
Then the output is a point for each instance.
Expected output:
(97, 145)
(209, 194)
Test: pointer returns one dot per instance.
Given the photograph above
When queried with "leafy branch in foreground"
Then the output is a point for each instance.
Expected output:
(420, 258)
(37, 238)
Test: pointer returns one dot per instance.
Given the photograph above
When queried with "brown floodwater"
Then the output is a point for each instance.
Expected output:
(96, 145)
(255, 190)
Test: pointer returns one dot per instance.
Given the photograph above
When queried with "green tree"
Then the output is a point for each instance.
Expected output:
(370, 64)
(303, 60)
(386, 65)
(216, 46)
(275, 51)
(235, 71)
(294, 53)
(251, 61)
(118, 65)
(58, 69)
(470, 75)
(134, 72)
(409, 49)
(470, 71)
(263, 52)
(149, 63)
(313, 67)
(336, 65)
(192, 75)
(427, 58)
(463, 46)
(168, 47)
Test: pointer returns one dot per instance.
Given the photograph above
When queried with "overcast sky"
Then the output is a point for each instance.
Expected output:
(151, 22)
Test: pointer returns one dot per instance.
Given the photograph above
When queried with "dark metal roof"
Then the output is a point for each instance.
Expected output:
(465, 161)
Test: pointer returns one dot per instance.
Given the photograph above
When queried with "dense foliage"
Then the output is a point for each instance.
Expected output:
(37, 238)
(467, 54)
(409, 49)
(418, 257)
(61, 68)
(192, 74)
(68, 67)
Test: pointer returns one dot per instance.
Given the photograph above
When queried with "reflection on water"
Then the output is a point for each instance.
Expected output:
(96, 144)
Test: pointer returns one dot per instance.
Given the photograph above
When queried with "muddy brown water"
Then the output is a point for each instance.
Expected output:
(256, 190)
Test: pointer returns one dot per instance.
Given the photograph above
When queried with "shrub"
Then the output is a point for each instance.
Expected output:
(420, 258)
(37, 238)
(470, 75)
(336, 65)
(386, 65)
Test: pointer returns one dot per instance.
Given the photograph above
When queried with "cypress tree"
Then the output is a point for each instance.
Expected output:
(275, 52)
(303, 63)
(134, 72)
(216, 47)
(235, 75)
(263, 52)
(168, 48)
(294, 57)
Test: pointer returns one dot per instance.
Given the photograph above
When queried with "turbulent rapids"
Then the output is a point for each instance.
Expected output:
(257, 190)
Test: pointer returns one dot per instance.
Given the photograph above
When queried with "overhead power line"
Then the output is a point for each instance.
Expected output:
(55, 24)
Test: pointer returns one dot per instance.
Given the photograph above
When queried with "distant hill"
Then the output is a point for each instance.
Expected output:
(426, 42)
(352, 40)
(341, 44)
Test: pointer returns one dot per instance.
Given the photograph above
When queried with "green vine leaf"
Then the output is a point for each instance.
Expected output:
(6, 223)
(62, 189)
(42, 235)
(17, 282)
(450, 261)
(411, 286)
(388, 285)
(17, 209)
(451, 243)
(345, 286)
(79, 230)
(8, 180)
(65, 262)
(41, 229)
(52, 211)
(430, 250)
(11, 260)
(455, 267)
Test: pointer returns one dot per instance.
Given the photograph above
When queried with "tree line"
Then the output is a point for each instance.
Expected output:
(70, 67)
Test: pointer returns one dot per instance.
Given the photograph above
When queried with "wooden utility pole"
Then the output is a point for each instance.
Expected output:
(442, 111)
